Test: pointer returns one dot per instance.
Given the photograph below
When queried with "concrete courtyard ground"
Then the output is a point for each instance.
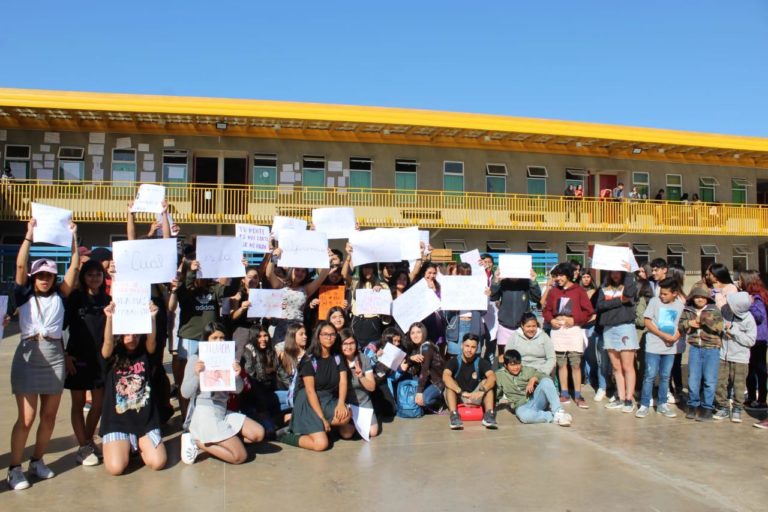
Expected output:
(606, 461)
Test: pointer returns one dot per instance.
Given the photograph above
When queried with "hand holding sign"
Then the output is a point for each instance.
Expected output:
(149, 198)
(52, 225)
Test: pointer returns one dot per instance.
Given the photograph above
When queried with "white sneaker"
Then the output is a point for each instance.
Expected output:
(642, 412)
(562, 418)
(16, 479)
(189, 449)
(652, 403)
(40, 470)
(86, 456)
(671, 398)
(600, 395)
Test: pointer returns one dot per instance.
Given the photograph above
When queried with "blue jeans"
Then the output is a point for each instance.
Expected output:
(544, 397)
(702, 363)
(431, 396)
(661, 365)
(597, 365)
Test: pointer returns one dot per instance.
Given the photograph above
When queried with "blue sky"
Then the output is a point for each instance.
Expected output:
(691, 65)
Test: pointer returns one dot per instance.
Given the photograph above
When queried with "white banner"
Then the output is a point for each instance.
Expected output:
(218, 356)
(410, 248)
(392, 356)
(336, 223)
(146, 261)
(515, 266)
(473, 259)
(255, 238)
(51, 225)
(280, 223)
(424, 238)
(219, 256)
(149, 198)
(304, 249)
(415, 305)
(611, 257)
(132, 315)
(463, 293)
(374, 246)
(362, 417)
(266, 303)
(371, 302)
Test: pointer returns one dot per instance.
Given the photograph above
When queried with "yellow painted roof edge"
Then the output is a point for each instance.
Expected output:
(225, 107)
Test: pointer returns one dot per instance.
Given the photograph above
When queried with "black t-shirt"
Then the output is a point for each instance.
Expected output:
(325, 371)
(85, 317)
(128, 403)
(467, 377)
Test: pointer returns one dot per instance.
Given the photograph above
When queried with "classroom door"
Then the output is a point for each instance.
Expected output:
(235, 179)
(206, 172)
(606, 181)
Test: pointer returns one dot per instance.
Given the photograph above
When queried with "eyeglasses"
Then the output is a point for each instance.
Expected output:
(327, 334)
(349, 344)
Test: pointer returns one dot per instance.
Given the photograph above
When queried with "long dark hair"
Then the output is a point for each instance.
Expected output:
(315, 349)
(410, 346)
(341, 310)
(290, 347)
(121, 358)
(87, 267)
(393, 281)
(388, 334)
(268, 356)
(721, 273)
(347, 333)
(212, 327)
(375, 278)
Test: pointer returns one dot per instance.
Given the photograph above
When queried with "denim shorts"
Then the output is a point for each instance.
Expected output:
(620, 337)
(154, 435)
(186, 348)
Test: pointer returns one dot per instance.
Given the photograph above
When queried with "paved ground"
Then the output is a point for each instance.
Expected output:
(606, 461)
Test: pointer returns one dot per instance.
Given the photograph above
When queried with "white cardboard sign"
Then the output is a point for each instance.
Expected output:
(392, 356)
(218, 357)
(610, 257)
(304, 249)
(374, 246)
(336, 223)
(266, 303)
(255, 238)
(515, 266)
(463, 293)
(415, 305)
(280, 223)
(371, 302)
(146, 261)
(220, 256)
(149, 198)
(51, 225)
(132, 315)
(410, 247)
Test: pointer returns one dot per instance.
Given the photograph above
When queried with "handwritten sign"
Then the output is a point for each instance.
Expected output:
(371, 302)
(149, 198)
(334, 222)
(463, 293)
(220, 256)
(218, 357)
(330, 296)
(610, 257)
(280, 223)
(255, 238)
(392, 357)
(51, 225)
(375, 245)
(304, 249)
(132, 314)
(410, 248)
(3, 311)
(145, 261)
(515, 266)
(415, 305)
(266, 303)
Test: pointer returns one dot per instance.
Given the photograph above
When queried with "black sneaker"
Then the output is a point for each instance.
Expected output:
(456, 423)
(489, 420)
(705, 415)
(691, 414)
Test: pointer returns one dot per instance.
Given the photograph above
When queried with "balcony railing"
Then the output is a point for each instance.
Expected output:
(212, 204)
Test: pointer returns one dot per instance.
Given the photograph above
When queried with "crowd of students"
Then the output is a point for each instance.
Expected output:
(301, 377)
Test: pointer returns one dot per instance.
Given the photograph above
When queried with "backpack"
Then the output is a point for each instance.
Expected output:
(292, 386)
(406, 400)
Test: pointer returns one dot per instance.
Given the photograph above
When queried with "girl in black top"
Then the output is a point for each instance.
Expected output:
(129, 419)
(260, 364)
(321, 392)
(85, 315)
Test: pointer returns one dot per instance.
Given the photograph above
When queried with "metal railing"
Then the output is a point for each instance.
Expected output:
(221, 204)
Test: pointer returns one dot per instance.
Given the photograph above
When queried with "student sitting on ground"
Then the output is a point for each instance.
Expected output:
(463, 378)
(531, 395)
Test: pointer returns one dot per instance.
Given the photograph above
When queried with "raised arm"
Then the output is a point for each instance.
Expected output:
(109, 341)
(130, 223)
(70, 278)
(312, 287)
(165, 221)
(23, 257)
(274, 281)
(152, 336)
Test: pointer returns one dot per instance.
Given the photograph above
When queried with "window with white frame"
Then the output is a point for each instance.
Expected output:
(453, 176)
(535, 247)
(675, 254)
(496, 178)
(674, 187)
(71, 163)
(707, 185)
(313, 171)
(709, 253)
(576, 251)
(642, 253)
(739, 190)
(456, 245)
(17, 159)
(641, 181)
(740, 258)
(124, 165)
(537, 180)
(497, 246)
(360, 170)
(405, 174)
(265, 169)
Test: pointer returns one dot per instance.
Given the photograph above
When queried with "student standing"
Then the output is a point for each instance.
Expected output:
(757, 377)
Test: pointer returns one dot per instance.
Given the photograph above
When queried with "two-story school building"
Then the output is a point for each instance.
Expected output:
(490, 182)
